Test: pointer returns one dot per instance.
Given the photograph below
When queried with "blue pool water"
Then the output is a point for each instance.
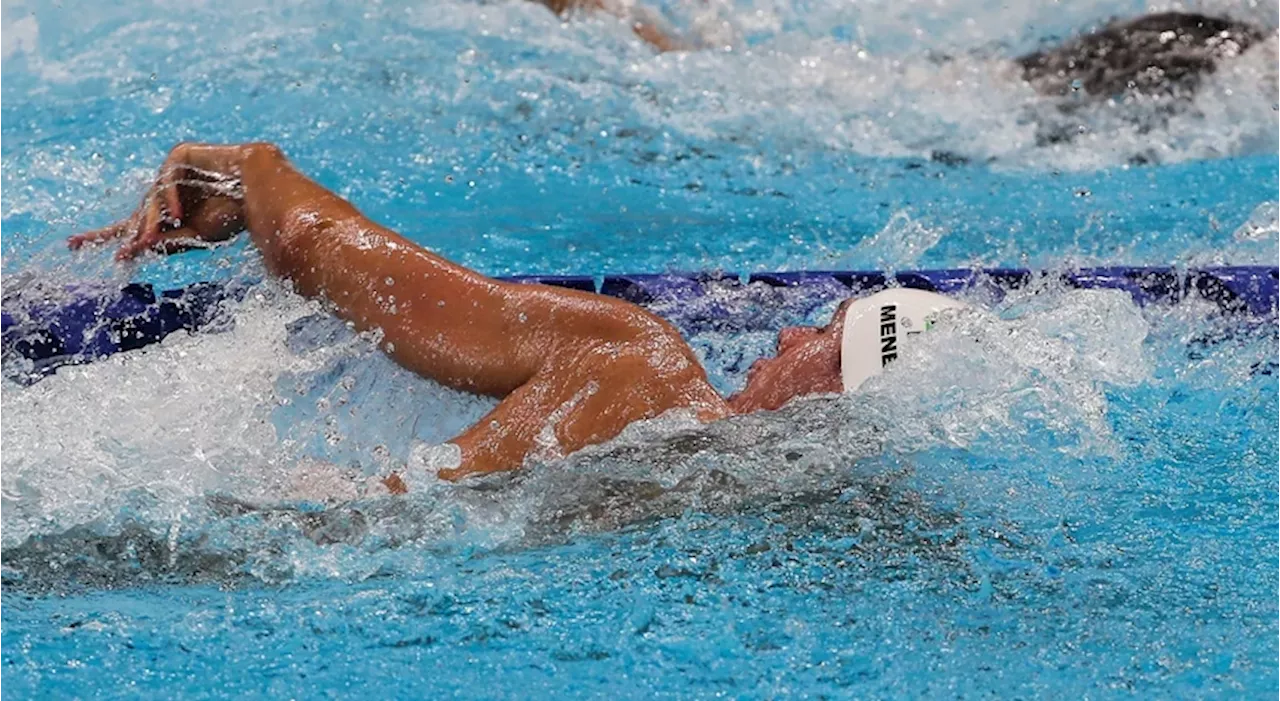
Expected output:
(1067, 497)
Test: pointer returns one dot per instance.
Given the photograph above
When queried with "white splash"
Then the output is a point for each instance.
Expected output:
(162, 424)
(1263, 224)
(898, 246)
(1046, 359)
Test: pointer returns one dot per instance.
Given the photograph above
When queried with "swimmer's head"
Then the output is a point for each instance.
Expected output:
(807, 362)
(863, 335)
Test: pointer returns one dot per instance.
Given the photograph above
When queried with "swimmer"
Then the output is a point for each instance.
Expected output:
(1165, 53)
(569, 366)
(1143, 71)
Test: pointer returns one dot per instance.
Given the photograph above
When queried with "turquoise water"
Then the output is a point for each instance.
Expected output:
(1068, 496)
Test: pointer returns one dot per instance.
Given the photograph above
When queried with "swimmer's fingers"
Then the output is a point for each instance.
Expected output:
(160, 209)
(124, 228)
(151, 217)
(97, 236)
(166, 242)
(168, 181)
(143, 229)
(216, 220)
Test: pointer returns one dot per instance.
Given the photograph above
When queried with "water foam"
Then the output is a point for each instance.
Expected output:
(230, 448)
(169, 422)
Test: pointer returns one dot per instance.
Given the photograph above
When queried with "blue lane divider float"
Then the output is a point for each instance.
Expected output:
(81, 324)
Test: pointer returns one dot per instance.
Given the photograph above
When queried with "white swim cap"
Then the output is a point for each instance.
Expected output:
(876, 327)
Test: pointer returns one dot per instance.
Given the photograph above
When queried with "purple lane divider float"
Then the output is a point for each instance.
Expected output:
(45, 330)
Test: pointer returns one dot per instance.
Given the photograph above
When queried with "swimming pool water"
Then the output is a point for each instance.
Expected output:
(1067, 497)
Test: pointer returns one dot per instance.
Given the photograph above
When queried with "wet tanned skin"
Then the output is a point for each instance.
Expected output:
(807, 362)
(580, 365)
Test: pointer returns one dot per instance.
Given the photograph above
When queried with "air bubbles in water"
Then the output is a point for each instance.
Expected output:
(1263, 224)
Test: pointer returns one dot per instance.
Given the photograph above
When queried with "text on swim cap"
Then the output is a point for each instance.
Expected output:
(888, 334)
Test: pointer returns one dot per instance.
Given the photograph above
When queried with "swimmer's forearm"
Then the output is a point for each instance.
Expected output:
(328, 249)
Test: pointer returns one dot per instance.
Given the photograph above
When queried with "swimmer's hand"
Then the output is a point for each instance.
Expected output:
(396, 484)
(195, 201)
(444, 461)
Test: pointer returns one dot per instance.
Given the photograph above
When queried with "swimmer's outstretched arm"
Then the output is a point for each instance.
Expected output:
(573, 368)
